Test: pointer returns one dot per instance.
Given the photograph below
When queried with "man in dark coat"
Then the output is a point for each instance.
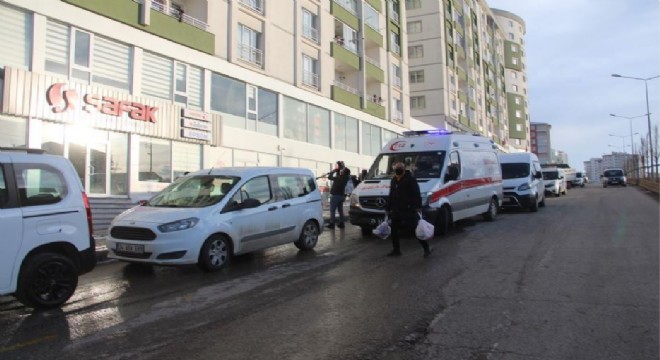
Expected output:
(404, 205)
(340, 176)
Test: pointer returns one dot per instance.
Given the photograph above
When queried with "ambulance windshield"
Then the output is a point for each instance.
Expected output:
(423, 165)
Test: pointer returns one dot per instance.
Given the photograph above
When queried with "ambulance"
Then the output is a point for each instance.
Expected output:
(459, 176)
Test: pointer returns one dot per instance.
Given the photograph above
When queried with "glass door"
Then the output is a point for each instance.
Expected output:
(88, 152)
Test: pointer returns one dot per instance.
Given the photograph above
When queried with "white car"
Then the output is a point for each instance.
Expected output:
(208, 216)
(555, 181)
(46, 227)
(523, 181)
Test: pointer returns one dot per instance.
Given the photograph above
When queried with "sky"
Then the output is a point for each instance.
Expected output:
(572, 49)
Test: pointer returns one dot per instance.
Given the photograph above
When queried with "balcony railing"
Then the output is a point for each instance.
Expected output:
(251, 54)
(372, 61)
(349, 5)
(343, 86)
(397, 82)
(396, 48)
(311, 79)
(311, 33)
(254, 5)
(177, 14)
(397, 116)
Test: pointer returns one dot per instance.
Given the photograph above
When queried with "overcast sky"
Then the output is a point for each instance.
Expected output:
(572, 49)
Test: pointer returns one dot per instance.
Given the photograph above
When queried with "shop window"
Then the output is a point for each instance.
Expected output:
(185, 158)
(305, 122)
(13, 132)
(118, 164)
(172, 80)
(87, 57)
(318, 126)
(371, 139)
(346, 133)
(155, 160)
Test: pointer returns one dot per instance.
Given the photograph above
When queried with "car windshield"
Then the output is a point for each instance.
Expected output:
(421, 164)
(550, 175)
(515, 170)
(610, 173)
(194, 191)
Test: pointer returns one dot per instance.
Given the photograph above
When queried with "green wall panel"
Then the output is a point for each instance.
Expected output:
(376, 4)
(339, 53)
(346, 97)
(344, 16)
(373, 35)
(375, 110)
(375, 72)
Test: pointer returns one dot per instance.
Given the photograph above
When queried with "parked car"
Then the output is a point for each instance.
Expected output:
(522, 180)
(614, 176)
(208, 216)
(555, 181)
(47, 228)
(459, 176)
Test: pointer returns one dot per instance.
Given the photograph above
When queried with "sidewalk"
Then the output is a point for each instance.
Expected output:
(102, 249)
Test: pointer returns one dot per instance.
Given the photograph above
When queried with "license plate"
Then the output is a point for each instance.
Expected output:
(130, 248)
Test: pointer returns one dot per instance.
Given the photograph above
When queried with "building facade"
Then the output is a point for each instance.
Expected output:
(136, 93)
(515, 75)
(540, 141)
(457, 61)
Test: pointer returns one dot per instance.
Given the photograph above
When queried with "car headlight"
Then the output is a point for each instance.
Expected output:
(355, 200)
(524, 187)
(178, 225)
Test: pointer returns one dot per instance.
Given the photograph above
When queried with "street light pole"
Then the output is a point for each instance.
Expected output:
(648, 115)
(632, 141)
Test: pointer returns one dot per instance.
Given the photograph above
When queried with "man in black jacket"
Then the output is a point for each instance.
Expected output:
(340, 176)
(404, 205)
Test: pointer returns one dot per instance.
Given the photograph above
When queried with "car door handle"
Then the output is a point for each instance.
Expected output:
(286, 205)
(272, 208)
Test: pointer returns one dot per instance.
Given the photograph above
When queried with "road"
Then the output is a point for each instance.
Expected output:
(577, 280)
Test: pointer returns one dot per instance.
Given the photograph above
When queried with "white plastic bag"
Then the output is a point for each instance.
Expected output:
(424, 230)
(383, 229)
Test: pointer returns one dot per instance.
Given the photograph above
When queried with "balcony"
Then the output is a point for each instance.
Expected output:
(251, 55)
(346, 95)
(375, 108)
(165, 21)
(397, 116)
(345, 55)
(373, 69)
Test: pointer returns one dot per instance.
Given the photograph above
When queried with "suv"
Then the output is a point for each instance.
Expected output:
(614, 177)
(47, 228)
(208, 216)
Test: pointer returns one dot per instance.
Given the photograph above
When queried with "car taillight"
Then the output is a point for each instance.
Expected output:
(88, 210)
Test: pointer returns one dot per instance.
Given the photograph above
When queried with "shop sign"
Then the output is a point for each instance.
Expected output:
(196, 134)
(196, 124)
(62, 100)
(195, 114)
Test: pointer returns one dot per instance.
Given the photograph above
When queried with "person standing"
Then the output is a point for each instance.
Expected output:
(340, 176)
(405, 203)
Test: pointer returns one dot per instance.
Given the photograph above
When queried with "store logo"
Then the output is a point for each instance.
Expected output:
(62, 100)
(398, 145)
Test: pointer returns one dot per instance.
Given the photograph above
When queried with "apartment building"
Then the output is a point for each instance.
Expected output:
(137, 92)
(540, 141)
(515, 75)
(456, 57)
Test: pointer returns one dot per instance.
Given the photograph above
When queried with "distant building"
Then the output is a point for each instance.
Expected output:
(540, 141)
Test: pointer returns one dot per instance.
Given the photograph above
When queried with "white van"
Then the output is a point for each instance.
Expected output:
(522, 180)
(459, 176)
(208, 216)
(555, 181)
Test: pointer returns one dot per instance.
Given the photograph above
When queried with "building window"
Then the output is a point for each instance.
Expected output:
(414, 27)
(510, 23)
(310, 26)
(413, 4)
(310, 72)
(511, 36)
(395, 42)
(90, 58)
(371, 139)
(304, 122)
(518, 114)
(16, 38)
(346, 133)
(371, 17)
(171, 80)
(418, 102)
(416, 52)
(397, 111)
(396, 75)
(244, 106)
(346, 36)
(249, 48)
(254, 5)
(394, 10)
(514, 75)
(515, 88)
(417, 76)
(517, 100)
(13, 132)
(514, 48)
(185, 158)
(349, 5)
(514, 61)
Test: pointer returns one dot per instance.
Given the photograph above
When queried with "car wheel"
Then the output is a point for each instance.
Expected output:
(309, 236)
(491, 214)
(215, 253)
(442, 222)
(534, 206)
(46, 281)
(366, 230)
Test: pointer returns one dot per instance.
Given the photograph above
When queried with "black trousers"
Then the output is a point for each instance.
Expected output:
(401, 221)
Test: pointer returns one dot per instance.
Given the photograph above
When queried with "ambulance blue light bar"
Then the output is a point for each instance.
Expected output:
(427, 132)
